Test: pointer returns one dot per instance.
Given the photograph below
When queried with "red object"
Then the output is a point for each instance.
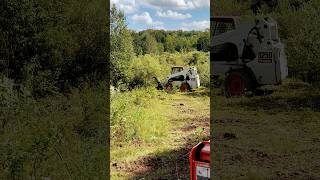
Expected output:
(236, 85)
(199, 160)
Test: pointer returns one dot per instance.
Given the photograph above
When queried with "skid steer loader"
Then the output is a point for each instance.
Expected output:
(186, 78)
(246, 53)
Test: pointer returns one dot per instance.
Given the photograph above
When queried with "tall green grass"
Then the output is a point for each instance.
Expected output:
(135, 116)
(60, 137)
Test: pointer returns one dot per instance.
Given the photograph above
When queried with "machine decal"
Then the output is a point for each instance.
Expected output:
(202, 172)
(265, 57)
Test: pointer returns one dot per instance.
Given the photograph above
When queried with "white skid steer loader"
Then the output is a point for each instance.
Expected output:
(247, 53)
(186, 78)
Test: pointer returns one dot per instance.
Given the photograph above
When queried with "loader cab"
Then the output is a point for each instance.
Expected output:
(222, 25)
(176, 69)
(221, 48)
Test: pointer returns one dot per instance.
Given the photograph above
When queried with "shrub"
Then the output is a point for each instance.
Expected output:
(301, 35)
(135, 116)
(143, 68)
(56, 137)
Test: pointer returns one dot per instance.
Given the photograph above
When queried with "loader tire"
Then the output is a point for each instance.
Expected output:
(185, 87)
(238, 83)
(168, 87)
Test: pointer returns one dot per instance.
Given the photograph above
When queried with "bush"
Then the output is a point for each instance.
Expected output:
(143, 68)
(55, 43)
(301, 35)
(203, 69)
(136, 117)
(56, 137)
(230, 8)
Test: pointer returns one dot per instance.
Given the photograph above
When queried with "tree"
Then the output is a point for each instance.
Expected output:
(170, 43)
(150, 44)
(121, 51)
(203, 42)
(51, 46)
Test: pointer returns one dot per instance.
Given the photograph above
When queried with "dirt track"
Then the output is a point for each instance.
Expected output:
(189, 117)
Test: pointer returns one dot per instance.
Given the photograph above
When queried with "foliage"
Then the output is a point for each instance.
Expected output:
(129, 69)
(159, 41)
(134, 117)
(302, 39)
(121, 49)
(230, 8)
(52, 125)
(143, 68)
(55, 137)
(58, 43)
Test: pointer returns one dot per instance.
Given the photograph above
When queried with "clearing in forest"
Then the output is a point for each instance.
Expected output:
(188, 120)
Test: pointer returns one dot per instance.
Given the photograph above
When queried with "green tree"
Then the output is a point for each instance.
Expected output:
(150, 44)
(122, 50)
(203, 42)
(170, 43)
(52, 45)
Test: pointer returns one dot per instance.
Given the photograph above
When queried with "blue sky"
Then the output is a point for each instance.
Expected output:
(166, 14)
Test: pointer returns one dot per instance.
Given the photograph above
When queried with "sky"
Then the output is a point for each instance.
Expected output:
(165, 14)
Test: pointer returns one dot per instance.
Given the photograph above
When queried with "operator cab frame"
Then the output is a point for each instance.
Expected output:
(225, 52)
(176, 69)
(223, 24)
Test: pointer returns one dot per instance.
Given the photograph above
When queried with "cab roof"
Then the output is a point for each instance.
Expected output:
(177, 66)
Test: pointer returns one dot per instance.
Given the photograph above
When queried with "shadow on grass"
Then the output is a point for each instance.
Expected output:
(288, 97)
(199, 93)
(168, 164)
(282, 103)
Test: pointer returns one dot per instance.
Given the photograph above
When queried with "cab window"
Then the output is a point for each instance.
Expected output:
(222, 25)
(176, 70)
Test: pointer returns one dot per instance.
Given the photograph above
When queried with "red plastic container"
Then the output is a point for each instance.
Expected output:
(199, 160)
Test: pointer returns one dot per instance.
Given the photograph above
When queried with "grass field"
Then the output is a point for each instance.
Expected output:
(185, 118)
(274, 136)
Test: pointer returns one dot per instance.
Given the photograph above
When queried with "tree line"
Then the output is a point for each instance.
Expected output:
(52, 46)
(159, 41)
(127, 44)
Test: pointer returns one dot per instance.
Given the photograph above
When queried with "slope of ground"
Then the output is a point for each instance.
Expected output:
(188, 116)
(274, 136)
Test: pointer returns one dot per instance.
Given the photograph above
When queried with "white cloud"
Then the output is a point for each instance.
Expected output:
(176, 4)
(128, 6)
(173, 15)
(132, 6)
(160, 27)
(145, 18)
(201, 3)
(135, 10)
(196, 25)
